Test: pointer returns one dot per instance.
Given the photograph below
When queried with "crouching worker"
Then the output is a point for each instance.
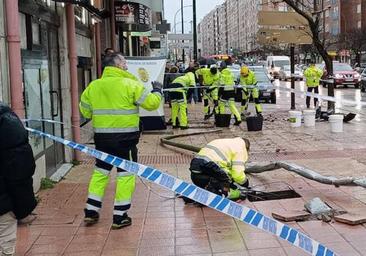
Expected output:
(220, 165)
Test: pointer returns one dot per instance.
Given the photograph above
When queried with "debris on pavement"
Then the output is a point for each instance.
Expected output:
(291, 215)
(317, 206)
(352, 218)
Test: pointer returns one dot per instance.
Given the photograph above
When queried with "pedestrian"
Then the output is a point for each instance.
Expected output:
(227, 92)
(178, 98)
(17, 166)
(220, 165)
(112, 102)
(312, 75)
(249, 82)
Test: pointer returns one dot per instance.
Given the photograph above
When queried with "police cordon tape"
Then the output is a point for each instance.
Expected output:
(298, 92)
(202, 196)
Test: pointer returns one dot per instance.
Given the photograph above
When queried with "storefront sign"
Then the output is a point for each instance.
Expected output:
(132, 16)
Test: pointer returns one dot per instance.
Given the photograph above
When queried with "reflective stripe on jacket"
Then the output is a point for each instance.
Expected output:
(112, 102)
(230, 154)
(313, 76)
(249, 80)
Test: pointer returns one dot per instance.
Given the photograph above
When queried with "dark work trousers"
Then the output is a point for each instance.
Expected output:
(126, 149)
(310, 89)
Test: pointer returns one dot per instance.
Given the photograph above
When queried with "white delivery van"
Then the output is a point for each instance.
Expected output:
(276, 63)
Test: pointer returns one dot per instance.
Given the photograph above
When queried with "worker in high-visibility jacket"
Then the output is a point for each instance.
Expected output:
(210, 80)
(220, 165)
(312, 75)
(178, 96)
(227, 93)
(113, 102)
(249, 83)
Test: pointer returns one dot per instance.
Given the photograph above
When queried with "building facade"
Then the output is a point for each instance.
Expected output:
(43, 74)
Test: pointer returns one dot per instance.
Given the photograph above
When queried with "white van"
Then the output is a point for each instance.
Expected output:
(276, 63)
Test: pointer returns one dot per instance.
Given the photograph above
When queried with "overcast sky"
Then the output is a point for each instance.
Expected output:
(172, 6)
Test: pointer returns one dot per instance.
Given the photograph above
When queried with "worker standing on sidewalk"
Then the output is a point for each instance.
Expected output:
(210, 80)
(249, 83)
(313, 76)
(227, 93)
(178, 98)
(112, 103)
(221, 164)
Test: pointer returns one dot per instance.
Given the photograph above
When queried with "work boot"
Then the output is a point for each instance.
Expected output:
(184, 127)
(121, 221)
(175, 126)
(237, 123)
(91, 217)
(206, 117)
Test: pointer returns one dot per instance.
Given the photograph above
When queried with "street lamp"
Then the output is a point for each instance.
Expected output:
(175, 15)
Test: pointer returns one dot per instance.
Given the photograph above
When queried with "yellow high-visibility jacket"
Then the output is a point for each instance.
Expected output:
(249, 80)
(227, 79)
(313, 76)
(113, 101)
(188, 80)
(229, 154)
(208, 78)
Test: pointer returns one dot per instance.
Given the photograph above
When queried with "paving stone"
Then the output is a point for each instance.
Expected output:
(291, 215)
(352, 218)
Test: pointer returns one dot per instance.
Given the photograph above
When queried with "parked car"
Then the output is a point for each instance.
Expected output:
(344, 75)
(285, 73)
(363, 81)
(266, 91)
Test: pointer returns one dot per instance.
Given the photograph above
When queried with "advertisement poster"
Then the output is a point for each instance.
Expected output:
(147, 70)
(130, 13)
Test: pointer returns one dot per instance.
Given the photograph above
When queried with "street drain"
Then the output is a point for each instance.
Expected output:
(255, 196)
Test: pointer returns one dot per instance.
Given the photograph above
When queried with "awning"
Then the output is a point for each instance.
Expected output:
(99, 13)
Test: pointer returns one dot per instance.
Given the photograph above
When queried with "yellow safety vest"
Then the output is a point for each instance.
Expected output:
(113, 101)
(229, 154)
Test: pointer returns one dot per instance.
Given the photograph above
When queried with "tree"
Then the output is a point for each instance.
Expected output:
(312, 15)
(354, 40)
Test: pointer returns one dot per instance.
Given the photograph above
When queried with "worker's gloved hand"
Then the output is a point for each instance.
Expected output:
(157, 86)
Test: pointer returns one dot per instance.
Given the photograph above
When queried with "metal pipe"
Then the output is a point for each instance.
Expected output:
(73, 62)
(15, 64)
(167, 140)
(113, 26)
(98, 50)
(182, 16)
(194, 31)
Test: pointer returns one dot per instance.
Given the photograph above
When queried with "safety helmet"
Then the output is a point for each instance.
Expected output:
(244, 71)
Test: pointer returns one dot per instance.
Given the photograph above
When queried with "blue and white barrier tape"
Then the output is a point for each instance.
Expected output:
(219, 203)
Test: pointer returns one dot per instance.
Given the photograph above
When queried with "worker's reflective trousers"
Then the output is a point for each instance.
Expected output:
(227, 98)
(246, 92)
(125, 181)
(210, 97)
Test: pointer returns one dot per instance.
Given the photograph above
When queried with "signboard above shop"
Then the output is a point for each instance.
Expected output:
(132, 16)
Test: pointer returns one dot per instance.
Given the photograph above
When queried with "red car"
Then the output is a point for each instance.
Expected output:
(344, 75)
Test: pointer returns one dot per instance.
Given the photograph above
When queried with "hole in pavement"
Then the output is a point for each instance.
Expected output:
(273, 195)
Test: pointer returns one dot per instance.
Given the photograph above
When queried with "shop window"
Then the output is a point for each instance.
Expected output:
(23, 31)
(36, 33)
(81, 15)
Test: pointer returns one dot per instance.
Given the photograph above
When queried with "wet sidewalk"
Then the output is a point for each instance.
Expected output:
(164, 225)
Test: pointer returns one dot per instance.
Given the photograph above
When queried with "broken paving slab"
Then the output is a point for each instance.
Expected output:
(352, 218)
(291, 215)
(317, 206)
